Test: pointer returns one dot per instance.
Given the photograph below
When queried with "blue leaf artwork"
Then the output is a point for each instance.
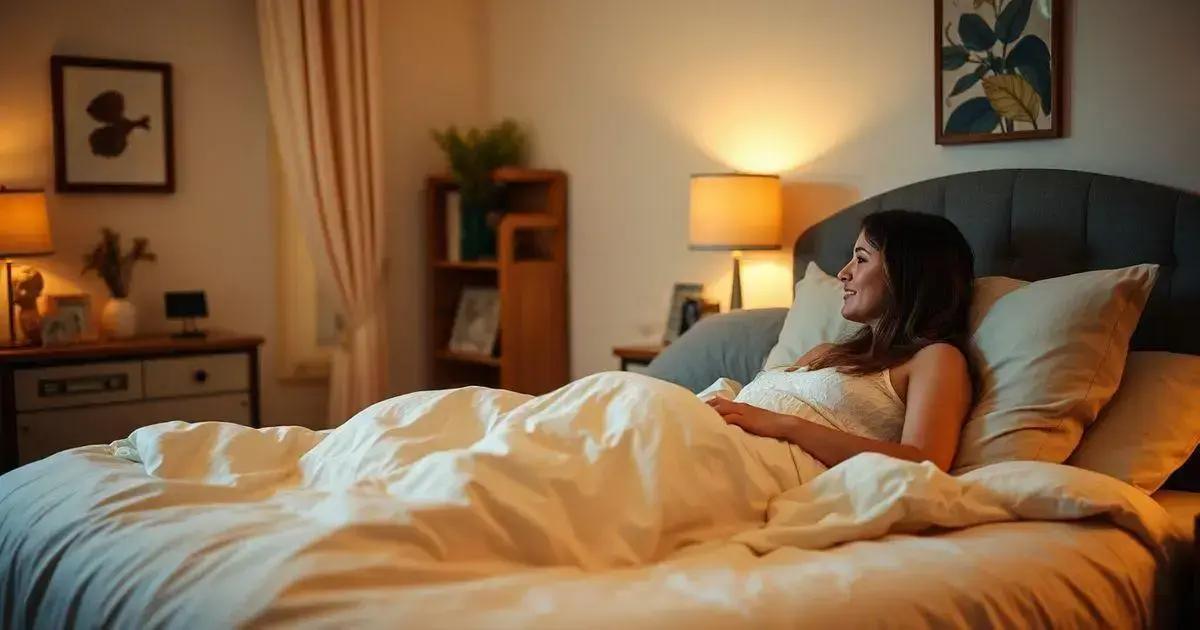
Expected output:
(996, 70)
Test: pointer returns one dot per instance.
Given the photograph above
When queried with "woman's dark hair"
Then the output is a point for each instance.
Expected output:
(929, 272)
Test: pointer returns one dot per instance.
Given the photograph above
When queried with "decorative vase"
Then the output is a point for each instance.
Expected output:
(478, 235)
(118, 320)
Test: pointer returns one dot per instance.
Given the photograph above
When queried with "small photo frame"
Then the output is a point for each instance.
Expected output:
(680, 294)
(695, 310)
(72, 315)
(113, 125)
(477, 321)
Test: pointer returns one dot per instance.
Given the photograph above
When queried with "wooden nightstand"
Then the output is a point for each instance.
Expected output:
(641, 354)
(60, 397)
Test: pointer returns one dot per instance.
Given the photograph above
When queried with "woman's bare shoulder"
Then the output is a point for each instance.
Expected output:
(939, 358)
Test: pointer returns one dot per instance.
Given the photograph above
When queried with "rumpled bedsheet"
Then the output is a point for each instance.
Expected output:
(217, 525)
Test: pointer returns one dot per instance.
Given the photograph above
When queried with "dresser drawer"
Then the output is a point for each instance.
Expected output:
(77, 385)
(43, 433)
(199, 374)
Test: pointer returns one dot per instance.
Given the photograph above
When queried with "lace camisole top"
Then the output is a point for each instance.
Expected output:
(867, 405)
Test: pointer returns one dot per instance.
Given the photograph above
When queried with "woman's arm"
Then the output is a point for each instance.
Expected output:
(939, 395)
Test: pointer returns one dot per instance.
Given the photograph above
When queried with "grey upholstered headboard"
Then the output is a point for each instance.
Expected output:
(1040, 223)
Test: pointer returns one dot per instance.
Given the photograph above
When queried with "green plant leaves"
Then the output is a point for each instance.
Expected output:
(1011, 21)
(965, 82)
(1012, 97)
(474, 155)
(974, 115)
(975, 32)
(953, 57)
(1031, 59)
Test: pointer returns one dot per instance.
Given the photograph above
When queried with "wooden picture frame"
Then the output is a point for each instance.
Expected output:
(68, 319)
(476, 322)
(680, 294)
(113, 125)
(1027, 106)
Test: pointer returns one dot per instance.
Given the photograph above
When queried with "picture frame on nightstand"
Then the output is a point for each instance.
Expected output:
(68, 319)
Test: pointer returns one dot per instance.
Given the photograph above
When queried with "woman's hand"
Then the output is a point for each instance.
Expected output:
(753, 419)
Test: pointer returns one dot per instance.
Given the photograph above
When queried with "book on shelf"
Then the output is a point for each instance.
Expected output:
(453, 226)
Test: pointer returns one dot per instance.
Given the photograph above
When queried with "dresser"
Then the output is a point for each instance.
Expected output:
(61, 397)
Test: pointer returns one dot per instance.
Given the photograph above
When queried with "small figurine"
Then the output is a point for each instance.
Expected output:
(27, 286)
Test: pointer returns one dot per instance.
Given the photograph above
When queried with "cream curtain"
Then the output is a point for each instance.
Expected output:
(322, 76)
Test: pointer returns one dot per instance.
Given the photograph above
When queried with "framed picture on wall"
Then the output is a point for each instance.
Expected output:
(113, 126)
(998, 68)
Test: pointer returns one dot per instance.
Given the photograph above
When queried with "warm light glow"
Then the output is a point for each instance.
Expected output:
(766, 281)
(762, 112)
(734, 211)
(754, 138)
(24, 224)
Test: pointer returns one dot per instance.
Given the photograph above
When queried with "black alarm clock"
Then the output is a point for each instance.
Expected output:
(187, 306)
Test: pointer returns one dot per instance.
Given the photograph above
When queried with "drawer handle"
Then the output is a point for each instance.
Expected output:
(200, 376)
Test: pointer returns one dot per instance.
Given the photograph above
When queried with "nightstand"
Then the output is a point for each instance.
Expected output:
(641, 354)
(60, 397)
(1195, 611)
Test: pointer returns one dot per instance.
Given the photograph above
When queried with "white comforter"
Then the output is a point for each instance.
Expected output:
(425, 495)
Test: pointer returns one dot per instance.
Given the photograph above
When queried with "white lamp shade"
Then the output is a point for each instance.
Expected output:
(735, 211)
(24, 225)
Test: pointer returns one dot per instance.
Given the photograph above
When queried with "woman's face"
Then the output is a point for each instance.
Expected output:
(864, 285)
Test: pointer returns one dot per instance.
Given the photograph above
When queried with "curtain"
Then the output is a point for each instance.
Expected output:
(322, 76)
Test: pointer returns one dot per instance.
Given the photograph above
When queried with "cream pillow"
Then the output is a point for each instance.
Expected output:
(1151, 426)
(814, 318)
(1049, 356)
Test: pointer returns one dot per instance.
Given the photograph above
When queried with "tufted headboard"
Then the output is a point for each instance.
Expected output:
(1040, 223)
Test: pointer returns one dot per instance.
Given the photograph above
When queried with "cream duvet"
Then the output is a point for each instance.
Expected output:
(389, 519)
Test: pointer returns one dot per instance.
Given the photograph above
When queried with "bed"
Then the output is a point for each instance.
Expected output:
(211, 525)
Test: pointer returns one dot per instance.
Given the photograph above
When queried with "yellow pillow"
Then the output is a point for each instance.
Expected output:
(1049, 355)
(1151, 426)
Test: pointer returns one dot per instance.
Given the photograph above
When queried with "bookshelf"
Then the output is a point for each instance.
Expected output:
(530, 273)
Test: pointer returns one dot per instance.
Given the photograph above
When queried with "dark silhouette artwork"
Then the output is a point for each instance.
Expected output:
(111, 139)
(113, 125)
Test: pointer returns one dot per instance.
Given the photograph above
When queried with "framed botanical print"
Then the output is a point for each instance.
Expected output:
(113, 126)
(998, 68)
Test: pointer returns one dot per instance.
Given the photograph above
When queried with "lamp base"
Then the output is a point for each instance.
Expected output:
(12, 307)
(735, 294)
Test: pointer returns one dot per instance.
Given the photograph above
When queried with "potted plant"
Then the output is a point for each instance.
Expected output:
(119, 317)
(473, 157)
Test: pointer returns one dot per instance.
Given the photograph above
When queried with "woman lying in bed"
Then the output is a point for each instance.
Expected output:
(901, 385)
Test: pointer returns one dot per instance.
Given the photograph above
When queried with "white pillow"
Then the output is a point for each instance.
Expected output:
(1049, 356)
(814, 318)
(1151, 426)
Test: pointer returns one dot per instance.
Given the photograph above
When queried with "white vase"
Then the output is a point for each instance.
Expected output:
(118, 320)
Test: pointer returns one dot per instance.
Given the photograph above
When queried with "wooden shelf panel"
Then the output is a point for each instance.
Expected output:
(463, 357)
(508, 175)
(470, 265)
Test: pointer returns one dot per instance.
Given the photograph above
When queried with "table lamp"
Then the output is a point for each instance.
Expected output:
(735, 212)
(24, 231)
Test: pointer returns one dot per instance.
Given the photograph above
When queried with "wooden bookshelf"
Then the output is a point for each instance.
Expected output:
(530, 272)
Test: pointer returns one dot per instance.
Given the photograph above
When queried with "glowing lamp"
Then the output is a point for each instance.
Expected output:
(24, 231)
(735, 212)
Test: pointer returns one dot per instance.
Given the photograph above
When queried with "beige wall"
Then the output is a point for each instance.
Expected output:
(433, 76)
(630, 97)
(217, 231)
